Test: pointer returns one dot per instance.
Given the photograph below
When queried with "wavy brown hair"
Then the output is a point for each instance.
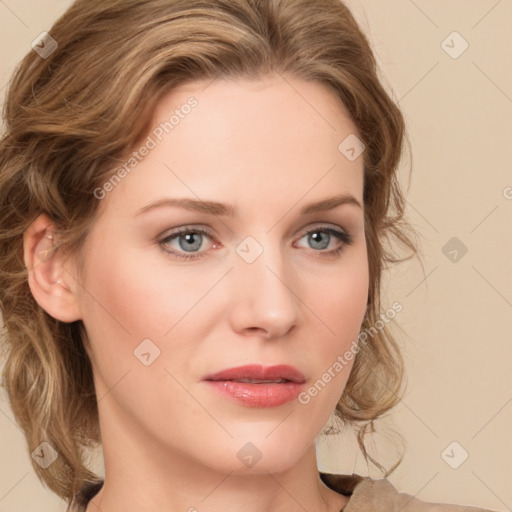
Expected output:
(72, 117)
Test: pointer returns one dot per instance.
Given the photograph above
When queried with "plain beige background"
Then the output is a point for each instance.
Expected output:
(458, 314)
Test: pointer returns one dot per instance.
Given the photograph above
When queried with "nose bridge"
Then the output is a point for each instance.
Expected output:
(265, 296)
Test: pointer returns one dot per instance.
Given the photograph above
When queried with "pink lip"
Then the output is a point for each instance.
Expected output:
(258, 394)
(258, 371)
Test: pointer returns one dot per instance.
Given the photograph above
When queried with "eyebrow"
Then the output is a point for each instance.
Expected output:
(221, 209)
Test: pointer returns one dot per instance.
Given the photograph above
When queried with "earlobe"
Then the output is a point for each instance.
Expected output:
(50, 281)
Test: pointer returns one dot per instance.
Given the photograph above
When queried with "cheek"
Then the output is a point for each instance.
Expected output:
(132, 296)
(344, 297)
(126, 294)
(341, 307)
(120, 308)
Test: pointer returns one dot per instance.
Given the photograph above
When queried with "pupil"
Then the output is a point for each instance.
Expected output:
(317, 237)
(189, 237)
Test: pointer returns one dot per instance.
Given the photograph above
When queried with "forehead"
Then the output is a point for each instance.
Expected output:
(253, 143)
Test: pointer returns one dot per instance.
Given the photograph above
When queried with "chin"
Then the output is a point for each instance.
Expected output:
(257, 454)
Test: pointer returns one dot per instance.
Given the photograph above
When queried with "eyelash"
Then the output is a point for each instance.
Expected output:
(340, 235)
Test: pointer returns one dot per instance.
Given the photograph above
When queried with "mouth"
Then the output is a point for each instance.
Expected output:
(258, 386)
(258, 381)
(259, 374)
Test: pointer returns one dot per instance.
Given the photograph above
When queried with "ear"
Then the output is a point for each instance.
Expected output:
(49, 271)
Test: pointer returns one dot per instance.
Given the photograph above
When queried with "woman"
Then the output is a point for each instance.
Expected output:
(196, 196)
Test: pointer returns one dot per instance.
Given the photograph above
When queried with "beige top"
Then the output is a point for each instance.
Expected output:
(366, 495)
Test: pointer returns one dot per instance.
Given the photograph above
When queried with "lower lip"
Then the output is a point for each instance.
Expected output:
(257, 395)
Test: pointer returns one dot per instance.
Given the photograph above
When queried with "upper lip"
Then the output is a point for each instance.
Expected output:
(259, 372)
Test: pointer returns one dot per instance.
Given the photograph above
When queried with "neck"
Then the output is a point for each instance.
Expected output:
(142, 475)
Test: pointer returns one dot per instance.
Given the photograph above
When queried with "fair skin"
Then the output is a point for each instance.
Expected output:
(170, 442)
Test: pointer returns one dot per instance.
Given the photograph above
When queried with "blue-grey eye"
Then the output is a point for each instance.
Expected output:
(188, 241)
(322, 238)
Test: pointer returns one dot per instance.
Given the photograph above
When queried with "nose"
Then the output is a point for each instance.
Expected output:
(265, 302)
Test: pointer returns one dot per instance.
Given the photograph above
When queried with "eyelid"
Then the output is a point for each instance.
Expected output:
(342, 234)
(201, 228)
(186, 229)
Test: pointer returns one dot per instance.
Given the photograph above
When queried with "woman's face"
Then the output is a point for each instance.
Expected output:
(265, 284)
